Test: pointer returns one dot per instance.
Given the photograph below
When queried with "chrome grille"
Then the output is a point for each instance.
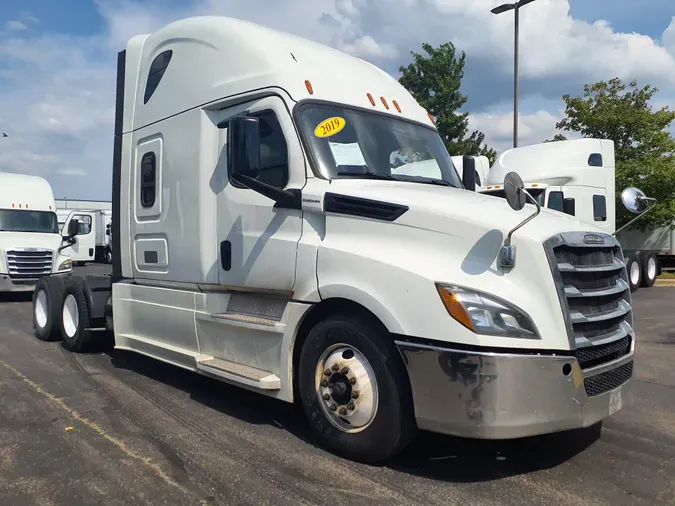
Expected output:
(29, 264)
(594, 294)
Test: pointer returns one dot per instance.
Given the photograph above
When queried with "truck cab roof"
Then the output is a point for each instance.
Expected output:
(225, 57)
(559, 163)
(23, 191)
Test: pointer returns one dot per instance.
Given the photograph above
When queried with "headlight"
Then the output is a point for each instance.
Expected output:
(66, 266)
(486, 314)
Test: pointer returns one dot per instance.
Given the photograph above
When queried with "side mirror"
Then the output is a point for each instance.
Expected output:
(469, 173)
(634, 200)
(73, 228)
(243, 146)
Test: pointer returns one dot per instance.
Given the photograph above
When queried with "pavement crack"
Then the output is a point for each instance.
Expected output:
(147, 461)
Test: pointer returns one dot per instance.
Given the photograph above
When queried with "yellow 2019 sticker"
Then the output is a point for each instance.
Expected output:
(330, 126)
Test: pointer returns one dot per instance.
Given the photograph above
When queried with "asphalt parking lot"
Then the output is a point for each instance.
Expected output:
(114, 428)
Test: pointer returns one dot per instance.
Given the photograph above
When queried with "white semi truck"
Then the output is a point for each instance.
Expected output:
(577, 177)
(272, 231)
(30, 242)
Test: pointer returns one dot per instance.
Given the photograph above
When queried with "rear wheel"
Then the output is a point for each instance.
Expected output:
(649, 270)
(634, 272)
(47, 299)
(354, 389)
(75, 322)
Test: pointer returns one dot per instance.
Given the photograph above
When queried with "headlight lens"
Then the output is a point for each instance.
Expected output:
(66, 266)
(486, 314)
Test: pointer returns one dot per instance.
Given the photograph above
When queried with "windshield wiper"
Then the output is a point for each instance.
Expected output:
(425, 180)
(368, 175)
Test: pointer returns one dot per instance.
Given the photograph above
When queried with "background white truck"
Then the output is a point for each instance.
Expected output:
(92, 241)
(272, 230)
(577, 177)
(30, 241)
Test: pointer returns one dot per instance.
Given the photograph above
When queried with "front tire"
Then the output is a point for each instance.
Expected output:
(75, 321)
(47, 301)
(354, 389)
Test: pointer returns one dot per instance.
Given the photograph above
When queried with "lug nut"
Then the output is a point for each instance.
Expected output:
(327, 372)
(350, 406)
(355, 395)
(343, 411)
(326, 397)
(335, 367)
(324, 383)
(333, 407)
(345, 370)
(352, 381)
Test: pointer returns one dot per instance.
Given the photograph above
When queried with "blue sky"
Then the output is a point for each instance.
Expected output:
(57, 62)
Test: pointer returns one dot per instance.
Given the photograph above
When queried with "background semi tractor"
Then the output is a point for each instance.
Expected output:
(577, 177)
(30, 242)
(273, 230)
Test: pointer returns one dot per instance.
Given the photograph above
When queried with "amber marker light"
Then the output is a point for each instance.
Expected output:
(454, 307)
(308, 85)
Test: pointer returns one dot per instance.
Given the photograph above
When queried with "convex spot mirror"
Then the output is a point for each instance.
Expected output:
(243, 146)
(634, 200)
(514, 190)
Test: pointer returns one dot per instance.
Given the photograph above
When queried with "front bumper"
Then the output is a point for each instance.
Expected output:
(504, 396)
(7, 284)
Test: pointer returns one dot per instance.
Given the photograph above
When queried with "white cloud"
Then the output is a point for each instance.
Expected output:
(57, 91)
(15, 25)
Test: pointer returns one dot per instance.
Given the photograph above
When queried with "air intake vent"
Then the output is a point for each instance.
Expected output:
(364, 208)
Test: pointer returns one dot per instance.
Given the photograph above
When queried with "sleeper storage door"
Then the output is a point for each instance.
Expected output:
(84, 248)
(258, 242)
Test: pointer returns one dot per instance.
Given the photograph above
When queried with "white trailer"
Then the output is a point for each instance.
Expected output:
(91, 242)
(577, 177)
(272, 230)
(30, 242)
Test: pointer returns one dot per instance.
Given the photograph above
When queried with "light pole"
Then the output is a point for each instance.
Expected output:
(515, 7)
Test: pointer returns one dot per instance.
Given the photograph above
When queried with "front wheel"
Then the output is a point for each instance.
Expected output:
(354, 389)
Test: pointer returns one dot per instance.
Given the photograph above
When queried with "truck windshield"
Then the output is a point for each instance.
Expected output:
(21, 220)
(348, 143)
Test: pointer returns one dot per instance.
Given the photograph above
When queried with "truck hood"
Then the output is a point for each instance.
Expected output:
(11, 240)
(442, 208)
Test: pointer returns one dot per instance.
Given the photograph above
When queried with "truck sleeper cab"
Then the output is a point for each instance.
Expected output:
(287, 219)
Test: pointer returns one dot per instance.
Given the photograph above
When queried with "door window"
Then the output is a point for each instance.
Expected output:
(84, 223)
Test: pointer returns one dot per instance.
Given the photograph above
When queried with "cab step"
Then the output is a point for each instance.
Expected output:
(239, 373)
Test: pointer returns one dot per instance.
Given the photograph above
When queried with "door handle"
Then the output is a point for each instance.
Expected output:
(226, 255)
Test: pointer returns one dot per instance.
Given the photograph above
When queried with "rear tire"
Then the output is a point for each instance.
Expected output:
(379, 421)
(650, 270)
(74, 318)
(47, 302)
(634, 271)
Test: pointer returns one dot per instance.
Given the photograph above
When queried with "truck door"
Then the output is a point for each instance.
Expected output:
(84, 248)
(258, 242)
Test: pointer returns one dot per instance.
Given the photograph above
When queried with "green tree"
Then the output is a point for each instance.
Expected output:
(434, 80)
(644, 149)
